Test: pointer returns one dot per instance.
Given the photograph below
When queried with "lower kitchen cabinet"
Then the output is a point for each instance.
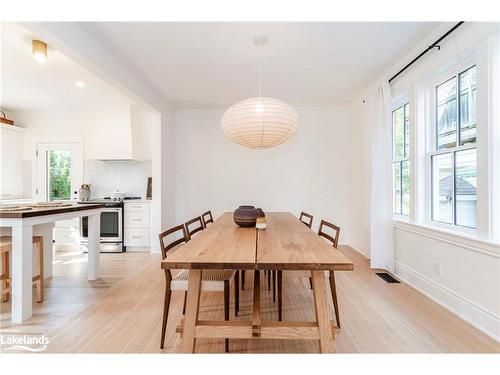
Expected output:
(67, 233)
(136, 226)
(66, 236)
(136, 237)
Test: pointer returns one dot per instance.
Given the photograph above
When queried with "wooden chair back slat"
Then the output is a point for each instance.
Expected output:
(333, 240)
(207, 218)
(166, 247)
(307, 216)
(198, 228)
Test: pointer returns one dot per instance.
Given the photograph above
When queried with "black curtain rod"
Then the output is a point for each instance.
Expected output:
(432, 46)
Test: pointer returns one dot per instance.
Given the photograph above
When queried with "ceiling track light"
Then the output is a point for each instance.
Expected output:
(39, 50)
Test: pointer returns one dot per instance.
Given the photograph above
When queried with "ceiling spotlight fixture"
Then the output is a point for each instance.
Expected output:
(80, 84)
(39, 50)
(260, 122)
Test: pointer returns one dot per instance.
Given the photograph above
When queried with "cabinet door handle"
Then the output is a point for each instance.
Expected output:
(136, 219)
(136, 236)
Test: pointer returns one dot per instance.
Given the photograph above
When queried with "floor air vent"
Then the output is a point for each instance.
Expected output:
(386, 277)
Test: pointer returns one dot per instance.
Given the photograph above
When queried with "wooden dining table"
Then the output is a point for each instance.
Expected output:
(286, 244)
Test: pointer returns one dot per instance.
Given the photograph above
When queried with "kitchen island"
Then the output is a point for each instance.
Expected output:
(21, 223)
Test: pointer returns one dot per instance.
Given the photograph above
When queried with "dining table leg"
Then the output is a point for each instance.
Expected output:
(192, 307)
(321, 307)
(22, 273)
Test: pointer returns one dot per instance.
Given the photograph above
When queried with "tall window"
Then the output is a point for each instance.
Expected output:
(454, 169)
(400, 159)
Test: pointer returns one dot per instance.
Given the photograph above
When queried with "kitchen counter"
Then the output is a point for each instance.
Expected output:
(21, 224)
(42, 211)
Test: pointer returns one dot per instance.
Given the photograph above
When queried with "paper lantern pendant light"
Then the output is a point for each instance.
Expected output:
(260, 122)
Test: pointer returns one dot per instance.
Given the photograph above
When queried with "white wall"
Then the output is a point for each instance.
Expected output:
(307, 173)
(359, 181)
(459, 273)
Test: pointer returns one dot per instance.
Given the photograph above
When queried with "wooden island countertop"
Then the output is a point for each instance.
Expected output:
(42, 211)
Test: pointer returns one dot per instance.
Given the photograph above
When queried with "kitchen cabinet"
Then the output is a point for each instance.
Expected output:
(12, 138)
(67, 234)
(136, 225)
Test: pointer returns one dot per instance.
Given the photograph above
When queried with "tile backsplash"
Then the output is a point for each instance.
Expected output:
(105, 176)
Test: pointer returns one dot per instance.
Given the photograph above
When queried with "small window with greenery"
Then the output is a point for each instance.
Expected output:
(401, 160)
(454, 169)
(58, 175)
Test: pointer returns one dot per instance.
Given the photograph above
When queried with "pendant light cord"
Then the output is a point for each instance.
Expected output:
(260, 77)
(260, 41)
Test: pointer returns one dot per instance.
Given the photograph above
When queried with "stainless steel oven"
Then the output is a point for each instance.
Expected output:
(111, 235)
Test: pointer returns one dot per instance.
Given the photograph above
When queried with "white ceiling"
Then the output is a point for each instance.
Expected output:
(216, 64)
(211, 64)
(29, 85)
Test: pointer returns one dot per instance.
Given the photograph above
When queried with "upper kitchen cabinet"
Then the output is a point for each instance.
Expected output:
(11, 161)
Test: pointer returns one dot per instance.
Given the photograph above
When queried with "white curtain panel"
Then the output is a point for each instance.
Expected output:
(378, 121)
(494, 73)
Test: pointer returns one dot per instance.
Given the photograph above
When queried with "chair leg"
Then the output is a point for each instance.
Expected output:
(273, 273)
(166, 306)
(334, 297)
(184, 305)
(310, 282)
(280, 295)
(226, 311)
(268, 279)
(242, 279)
(236, 293)
(40, 282)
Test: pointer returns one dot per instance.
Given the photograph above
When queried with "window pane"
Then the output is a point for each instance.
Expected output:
(468, 106)
(407, 130)
(405, 187)
(59, 175)
(447, 114)
(396, 178)
(398, 125)
(466, 188)
(442, 188)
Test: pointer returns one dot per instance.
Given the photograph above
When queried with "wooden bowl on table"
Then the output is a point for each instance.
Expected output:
(246, 216)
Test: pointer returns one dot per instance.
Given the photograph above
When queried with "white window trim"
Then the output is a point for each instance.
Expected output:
(429, 124)
(38, 140)
(457, 238)
(398, 102)
(488, 141)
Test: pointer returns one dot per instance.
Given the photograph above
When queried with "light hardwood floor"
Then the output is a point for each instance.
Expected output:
(121, 313)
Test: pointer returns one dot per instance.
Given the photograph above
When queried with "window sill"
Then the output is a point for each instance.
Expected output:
(401, 218)
(452, 237)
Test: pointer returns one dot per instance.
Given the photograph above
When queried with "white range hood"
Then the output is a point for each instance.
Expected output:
(124, 135)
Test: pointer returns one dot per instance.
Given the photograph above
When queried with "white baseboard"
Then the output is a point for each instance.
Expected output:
(484, 320)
